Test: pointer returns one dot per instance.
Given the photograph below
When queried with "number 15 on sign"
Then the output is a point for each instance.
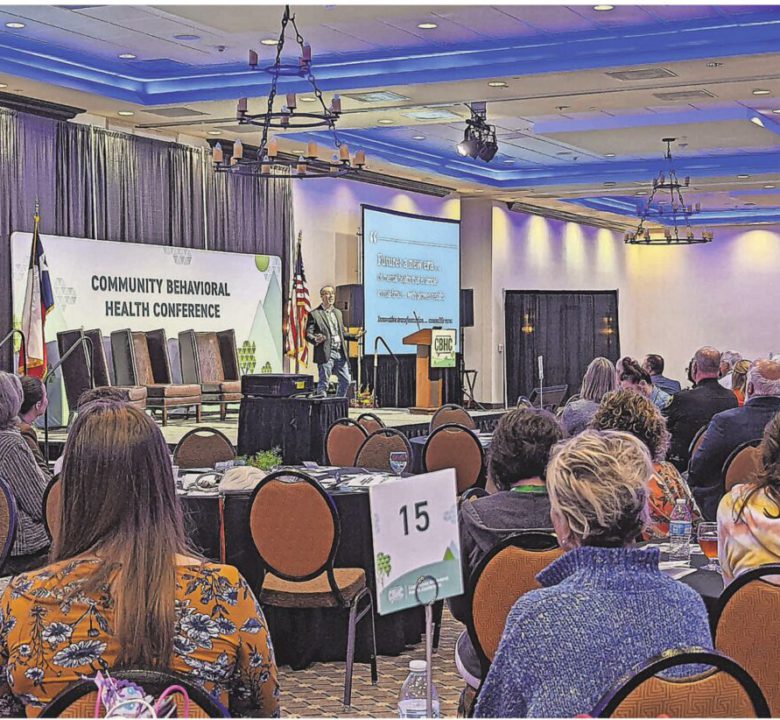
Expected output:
(415, 531)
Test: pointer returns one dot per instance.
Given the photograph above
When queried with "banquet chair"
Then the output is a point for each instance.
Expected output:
(453, 446)
(742, 464)
(296, 531)
(375, 451)
(342, 442)
(78, 700)
(370, 422)
(746, 613)
(51, 507)
(452, 414)
(203, 448)
(8, 519)
(474, 493)
(696, 441)
(727, 690)
(508, 571)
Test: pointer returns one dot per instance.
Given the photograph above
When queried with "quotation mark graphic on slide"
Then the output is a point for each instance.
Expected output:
(373, 237)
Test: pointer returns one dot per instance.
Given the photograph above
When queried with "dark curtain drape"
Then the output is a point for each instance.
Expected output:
(74, 203)
(568, 329)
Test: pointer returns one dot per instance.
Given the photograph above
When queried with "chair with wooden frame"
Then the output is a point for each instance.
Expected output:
(695, 442)
(746, 612)
(52, 498)
(452, 414)
(454, 446)
(79, 699)
(375, 451)
(508, 571)
(370, 422)
(727, 690)
(743, 464)
(342, 442)
(9, 516)
(296, 531)
(203, 448)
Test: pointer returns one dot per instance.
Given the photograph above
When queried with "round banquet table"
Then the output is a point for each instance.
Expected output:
(418, 446)
(303, 636)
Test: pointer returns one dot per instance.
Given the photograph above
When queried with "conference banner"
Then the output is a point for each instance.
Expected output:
(121, 285)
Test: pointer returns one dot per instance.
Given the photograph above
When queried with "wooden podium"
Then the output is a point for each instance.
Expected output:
(429, 392)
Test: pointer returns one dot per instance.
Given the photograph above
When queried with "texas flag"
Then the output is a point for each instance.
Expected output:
(38, 302)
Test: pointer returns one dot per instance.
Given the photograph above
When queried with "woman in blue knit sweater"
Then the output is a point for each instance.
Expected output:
(604, 607)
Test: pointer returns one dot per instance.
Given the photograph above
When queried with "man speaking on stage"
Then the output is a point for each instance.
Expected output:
(325, 330)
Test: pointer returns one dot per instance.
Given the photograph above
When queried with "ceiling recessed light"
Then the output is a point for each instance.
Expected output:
(427, 26)
(609, 155)
(385, 121)
(640, 192)
(742, 177)
(609, 183)
(14, 25)
(714, 64)
(756, 120)
(3, 85)
(776, 112)
(127, 56)
(760, 91)
(269, 41)
(509, 162)
(306, 98)
(215, 132)
(603, 8)
(189, 38)
(497, 83)
(418, 137)
(125, 113)
(769, 187)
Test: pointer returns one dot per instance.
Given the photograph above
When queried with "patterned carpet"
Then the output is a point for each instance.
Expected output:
(317, 691)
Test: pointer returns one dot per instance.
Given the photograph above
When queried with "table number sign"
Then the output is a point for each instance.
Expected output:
(414, 522)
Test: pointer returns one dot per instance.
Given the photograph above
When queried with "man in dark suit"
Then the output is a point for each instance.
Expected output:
(694, 408)
(325, 330)
(729, 429)
(654, 366)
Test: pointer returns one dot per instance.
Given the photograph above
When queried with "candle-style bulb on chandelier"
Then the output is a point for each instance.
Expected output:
(268, 162)
(677, 218)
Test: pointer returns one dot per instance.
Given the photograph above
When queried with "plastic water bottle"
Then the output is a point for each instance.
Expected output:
(680, 527)
(413, 696)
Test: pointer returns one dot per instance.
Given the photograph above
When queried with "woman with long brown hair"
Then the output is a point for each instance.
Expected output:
(749, 515)
(123, 589)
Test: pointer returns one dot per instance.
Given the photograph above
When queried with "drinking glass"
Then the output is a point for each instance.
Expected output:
(708, 542)
(398, 461)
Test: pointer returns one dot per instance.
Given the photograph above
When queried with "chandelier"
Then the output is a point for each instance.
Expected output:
(267, 161)
(677, 217)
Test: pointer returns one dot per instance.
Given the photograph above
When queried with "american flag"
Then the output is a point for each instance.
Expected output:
(298, 309)
(38, 303)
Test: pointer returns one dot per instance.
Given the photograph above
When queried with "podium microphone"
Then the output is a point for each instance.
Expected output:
(540, 362)
(416, 317)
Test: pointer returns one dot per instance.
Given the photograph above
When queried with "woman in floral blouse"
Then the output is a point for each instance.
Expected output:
(123, 591)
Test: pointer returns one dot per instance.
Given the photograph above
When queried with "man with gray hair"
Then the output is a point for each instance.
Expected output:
(694, 408)
(727, 362)
(727, 430)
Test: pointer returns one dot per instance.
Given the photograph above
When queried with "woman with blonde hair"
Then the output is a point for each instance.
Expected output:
(599, 379)
(603, 607)
(633, 413)
(123, 589)
(26, 480)
(739, 380)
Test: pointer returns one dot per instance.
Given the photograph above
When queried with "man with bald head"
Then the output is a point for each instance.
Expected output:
(694, 408)
(727, 430)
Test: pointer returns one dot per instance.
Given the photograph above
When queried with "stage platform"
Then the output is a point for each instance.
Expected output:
(411, 425)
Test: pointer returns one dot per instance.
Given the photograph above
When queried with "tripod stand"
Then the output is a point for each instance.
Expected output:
(467, 378)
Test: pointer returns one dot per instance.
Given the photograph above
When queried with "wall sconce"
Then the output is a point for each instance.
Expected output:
(608, 329)
(526, 328)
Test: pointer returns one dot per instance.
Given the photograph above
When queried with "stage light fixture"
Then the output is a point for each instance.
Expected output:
(479, 138)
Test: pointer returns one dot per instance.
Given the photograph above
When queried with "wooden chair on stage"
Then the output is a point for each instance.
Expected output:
(370, 422)
(342, 442)
(452, 414)
(203, 448)
(296, 530)
(375, 451)
(453, 446)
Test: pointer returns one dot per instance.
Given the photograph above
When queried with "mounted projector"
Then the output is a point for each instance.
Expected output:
(479, 138)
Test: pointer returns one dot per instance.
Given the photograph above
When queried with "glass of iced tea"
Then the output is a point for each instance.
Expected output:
(708, 542)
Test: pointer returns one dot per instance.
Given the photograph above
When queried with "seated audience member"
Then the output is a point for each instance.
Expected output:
(27, 483)
(731, 428)
(631, 376)
(727, 362)
(749, 515)
(739, 380)
(599, 379)
(632, 413)
(104, 392)
(605, 606)
(33, 406)
(694, 408)
(518, 456)
(123, 589)
(653, 365)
